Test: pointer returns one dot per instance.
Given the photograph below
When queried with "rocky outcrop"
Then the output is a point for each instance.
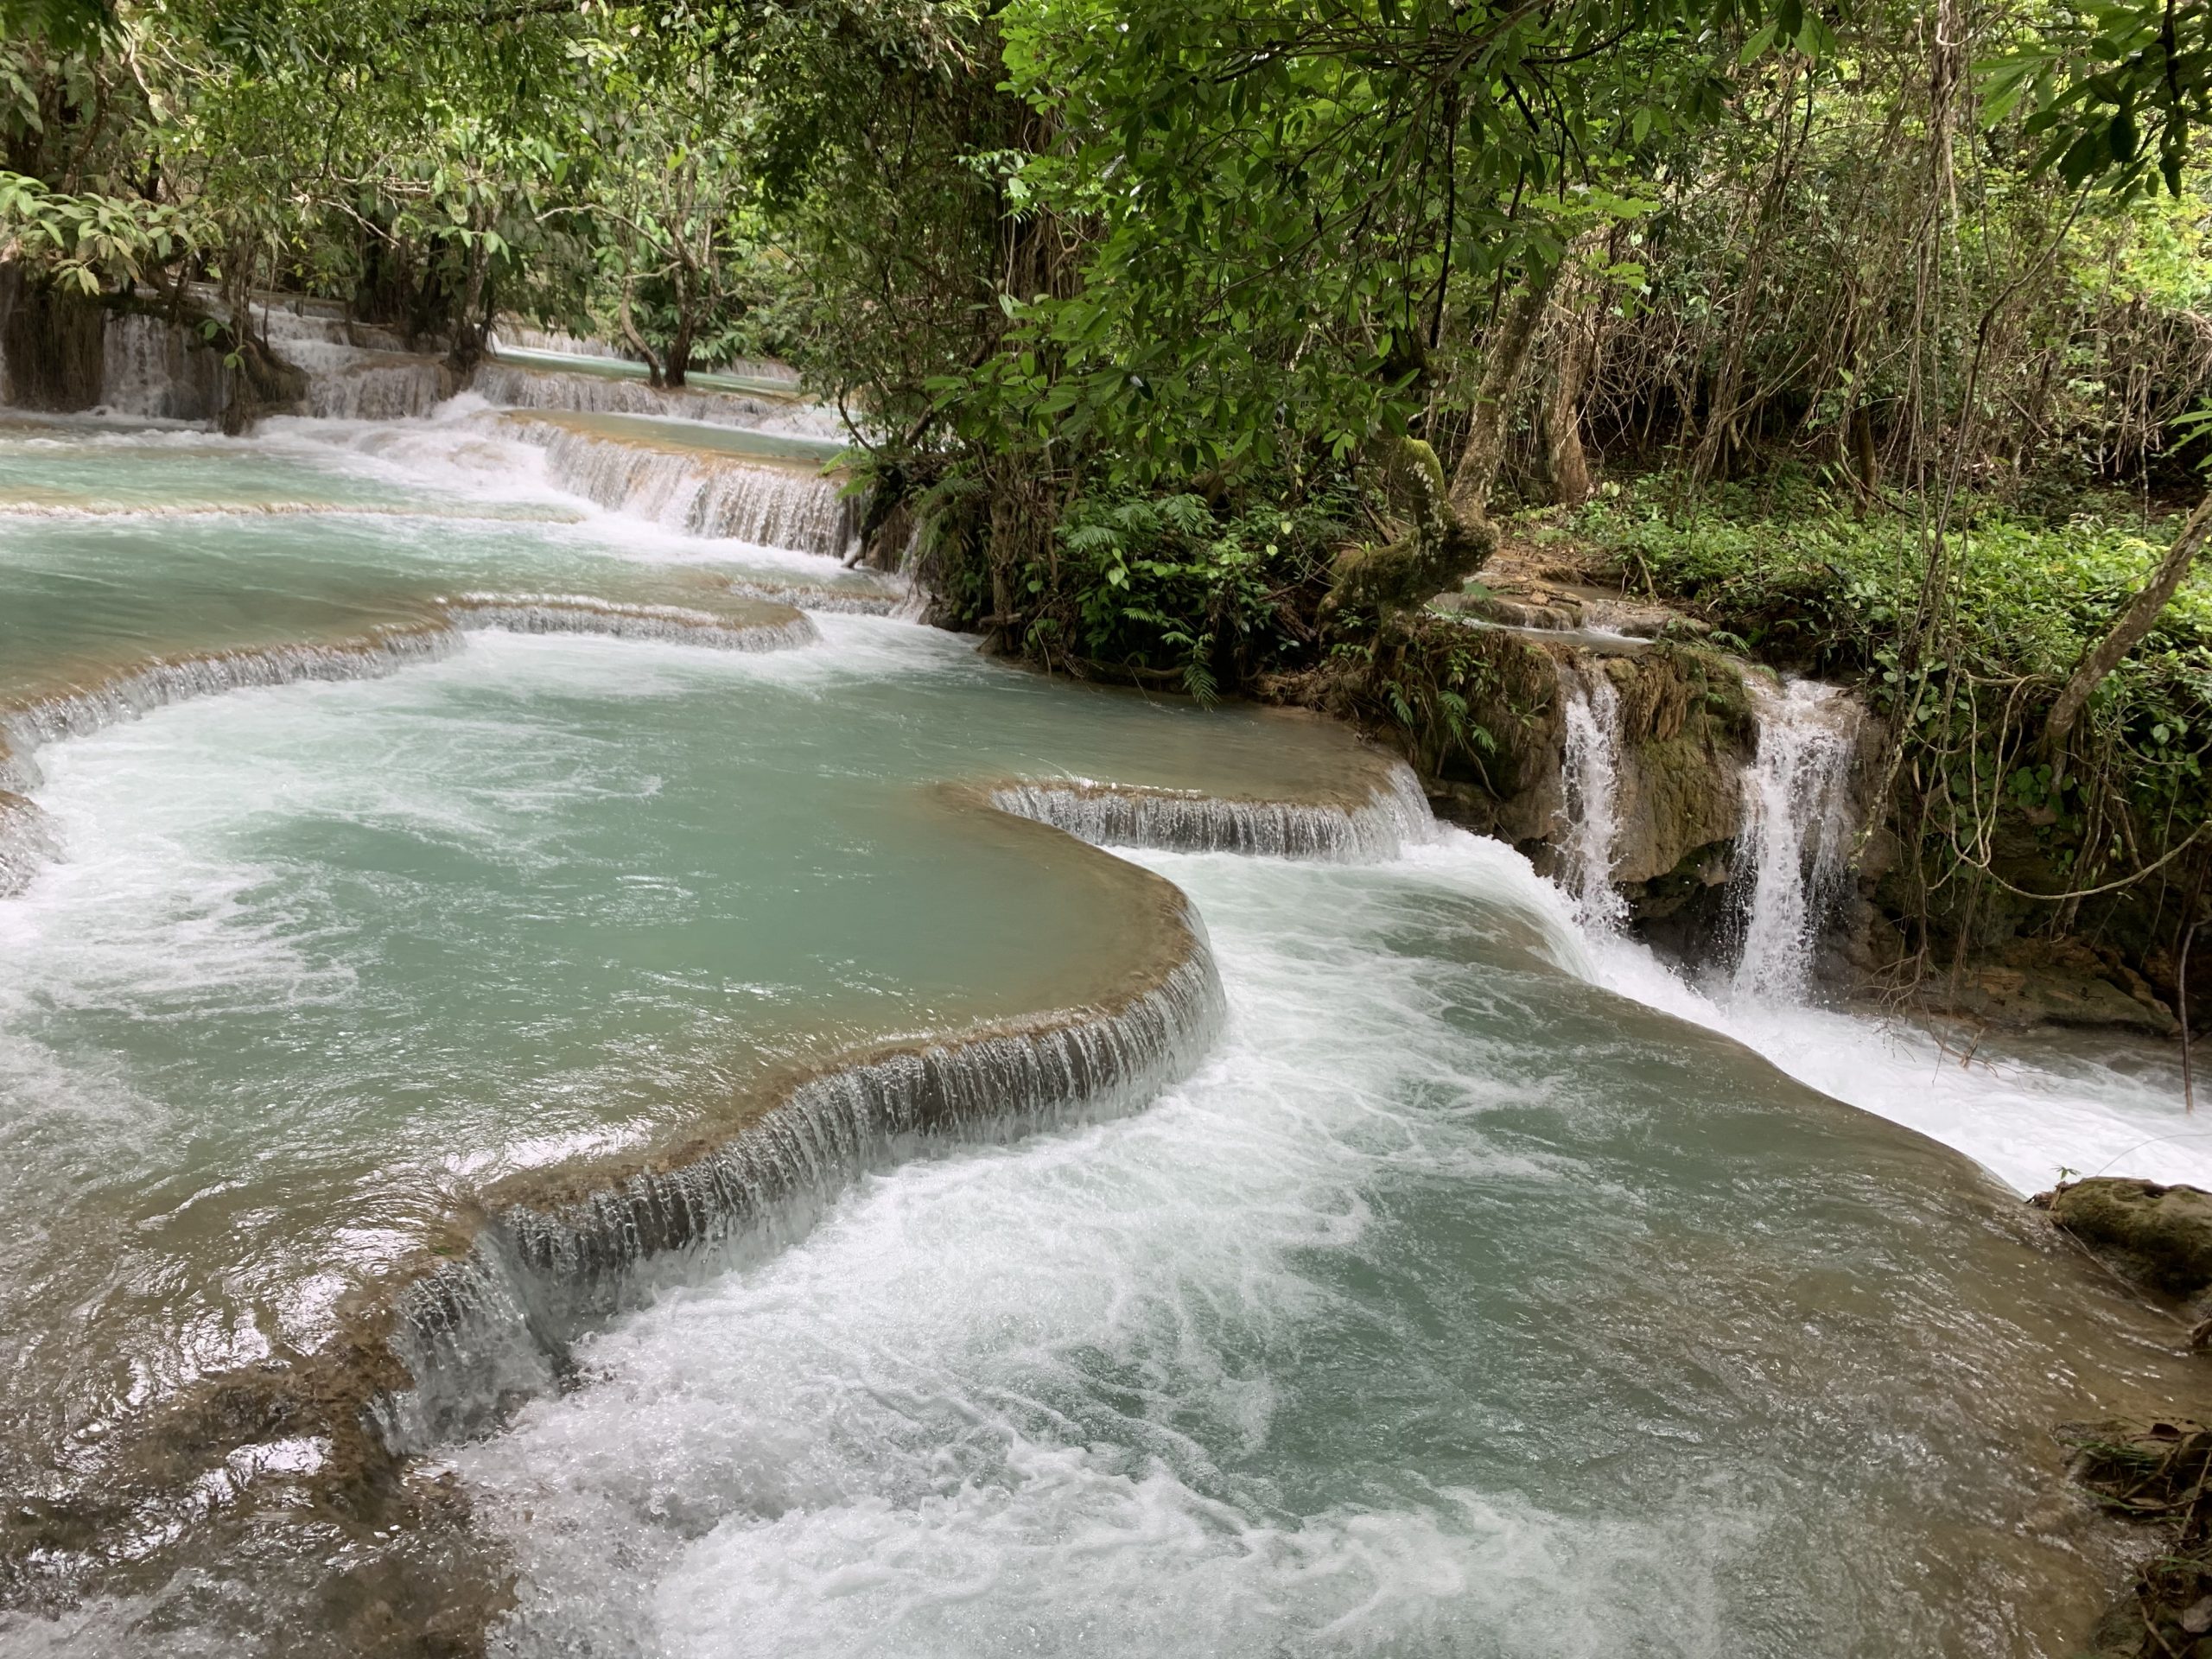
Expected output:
(2037, 982)
(1685, 732)
(2159, 1237)
(2154, 1473)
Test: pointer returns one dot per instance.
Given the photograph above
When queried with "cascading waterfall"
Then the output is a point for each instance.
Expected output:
(671, 624)
(1591, 781)
(378, 387)
(497, 1325)
(698, 493)
(1796, 833)
(26, 839)
(508, 334)
(1109, 815)
(151, 371)
(356, 371)
(513, 386)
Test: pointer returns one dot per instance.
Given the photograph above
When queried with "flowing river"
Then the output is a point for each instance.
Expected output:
(570, 1080)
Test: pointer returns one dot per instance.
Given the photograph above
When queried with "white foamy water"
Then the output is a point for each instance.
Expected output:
(1315, 1355)
(2024, 1120)
(1457, 1304)
(1796, 835)
(1591, 758)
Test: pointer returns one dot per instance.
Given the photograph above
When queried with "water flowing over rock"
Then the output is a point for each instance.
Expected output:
(26, 839)
(156, 371)
(513, 386)
(2159, 1237)
(140, 690)
(521, 336)
(497, 1325)
(1590, 780)
(696, 492)
(1791, 860)
(580, 613)
(1108, 815)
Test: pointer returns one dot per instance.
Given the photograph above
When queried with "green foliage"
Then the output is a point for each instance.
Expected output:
(88, 242)
(1287, 208)
(1806, 585)
(1166, 584)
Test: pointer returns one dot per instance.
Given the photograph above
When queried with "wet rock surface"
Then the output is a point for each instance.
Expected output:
(2037, 982)
(2159, 1237)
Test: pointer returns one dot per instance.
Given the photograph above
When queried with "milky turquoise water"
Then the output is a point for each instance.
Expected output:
(1458, 1305)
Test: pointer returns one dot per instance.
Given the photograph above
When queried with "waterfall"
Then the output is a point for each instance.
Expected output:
(513, 386)
(1796, 830)
(1592, 779)
(669, 624)
(1395, 815)
(378, 390)
(496, 1325)
(153, 372)
(698, 493)
(508, 334)
(26, 840)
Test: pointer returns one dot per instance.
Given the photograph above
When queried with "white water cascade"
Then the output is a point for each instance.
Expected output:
(1591, 781)
(1796, 834)
(152, 371)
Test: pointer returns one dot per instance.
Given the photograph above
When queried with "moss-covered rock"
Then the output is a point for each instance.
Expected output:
(2158, 1236)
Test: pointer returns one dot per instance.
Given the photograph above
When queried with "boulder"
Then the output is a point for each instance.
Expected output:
(2158, 1236)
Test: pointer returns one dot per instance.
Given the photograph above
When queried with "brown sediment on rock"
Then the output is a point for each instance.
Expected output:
(2158, 1475)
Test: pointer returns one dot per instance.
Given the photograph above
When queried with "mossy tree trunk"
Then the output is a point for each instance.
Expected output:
(1483, 452)
(2128, 630)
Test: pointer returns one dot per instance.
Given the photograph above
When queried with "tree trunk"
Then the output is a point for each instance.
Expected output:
(1862, 450)
(678, 364)
(1578, 355)
(468, 332)
(2128, 630)
(1485, 450)
(637, 341)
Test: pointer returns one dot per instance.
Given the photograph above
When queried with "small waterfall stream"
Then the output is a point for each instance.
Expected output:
(1592, 783)
(1790, 855)
(1789, 862)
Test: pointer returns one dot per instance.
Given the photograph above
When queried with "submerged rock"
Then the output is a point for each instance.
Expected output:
(2158, 1236)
